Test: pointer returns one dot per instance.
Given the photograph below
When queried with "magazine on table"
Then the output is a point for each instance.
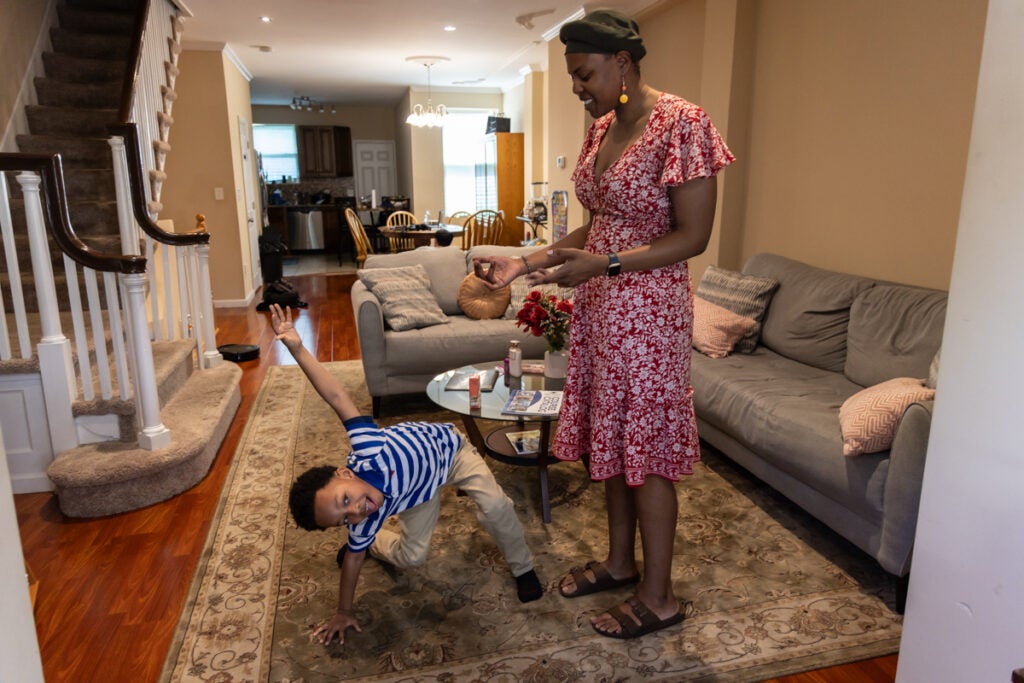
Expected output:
(533, 402)
(460, 380)
(525, 443)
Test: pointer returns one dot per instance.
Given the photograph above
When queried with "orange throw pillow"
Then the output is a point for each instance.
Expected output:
(480, 302)
(716, 330)
(869, 418)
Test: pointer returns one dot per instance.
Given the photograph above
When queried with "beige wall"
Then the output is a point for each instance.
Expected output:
(567, 123)
(859, 119)
(20, 28)
(205, 155)
(367, 123)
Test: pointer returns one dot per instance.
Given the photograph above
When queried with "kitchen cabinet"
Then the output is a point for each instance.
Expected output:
(503, 181)
(325, 151)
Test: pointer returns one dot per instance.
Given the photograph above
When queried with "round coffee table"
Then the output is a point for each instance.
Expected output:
(495, 443)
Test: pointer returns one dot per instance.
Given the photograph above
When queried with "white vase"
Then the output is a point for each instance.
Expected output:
(556, 363)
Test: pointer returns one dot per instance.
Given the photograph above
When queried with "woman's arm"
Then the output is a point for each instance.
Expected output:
(503, 269)
(693, 215)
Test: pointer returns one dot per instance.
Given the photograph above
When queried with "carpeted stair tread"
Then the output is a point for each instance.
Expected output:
(87, 20)
(69, 120)
(75, 152)
(78, 70)
(89, 45)
(90, 184)
(53, 93)
(105, 243)
(113, 477)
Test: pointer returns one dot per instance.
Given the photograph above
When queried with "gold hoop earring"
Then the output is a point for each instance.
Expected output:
(623, 98)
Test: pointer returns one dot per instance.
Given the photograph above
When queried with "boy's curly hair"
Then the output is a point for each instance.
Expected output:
(302, 498)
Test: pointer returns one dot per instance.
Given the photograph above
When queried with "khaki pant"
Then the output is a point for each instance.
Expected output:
(495, 511)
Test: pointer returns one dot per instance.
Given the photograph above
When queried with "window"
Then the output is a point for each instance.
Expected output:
(463, 152)
(278, 150)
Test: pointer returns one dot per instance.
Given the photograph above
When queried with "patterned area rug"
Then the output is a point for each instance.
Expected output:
(773, 591)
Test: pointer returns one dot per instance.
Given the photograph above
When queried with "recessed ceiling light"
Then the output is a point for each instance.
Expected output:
(449, 28)
(266, 20)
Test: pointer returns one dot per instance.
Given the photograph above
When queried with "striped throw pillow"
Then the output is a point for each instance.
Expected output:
(405, 297)
(746, 295)
(868, 419)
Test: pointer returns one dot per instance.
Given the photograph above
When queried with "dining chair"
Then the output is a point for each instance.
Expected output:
(458, 218)
(359, 238)
(399, 218)
(483, 227)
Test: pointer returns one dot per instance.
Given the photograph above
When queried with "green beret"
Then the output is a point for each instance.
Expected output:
(603, 31)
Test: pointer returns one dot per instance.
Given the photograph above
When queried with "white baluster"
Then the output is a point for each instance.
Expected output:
(207, 327)
(153, 434)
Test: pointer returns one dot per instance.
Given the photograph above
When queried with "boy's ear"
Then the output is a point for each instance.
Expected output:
(344, 472)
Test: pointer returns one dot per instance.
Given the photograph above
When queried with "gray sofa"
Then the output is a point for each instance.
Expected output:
(826, 336)
(405, 362)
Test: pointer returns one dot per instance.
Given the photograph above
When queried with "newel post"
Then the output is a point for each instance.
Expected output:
(153, 434)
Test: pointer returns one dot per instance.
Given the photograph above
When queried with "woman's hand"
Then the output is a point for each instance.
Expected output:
(578, 266)
(283, 327)
(498, 271)
(325, 633)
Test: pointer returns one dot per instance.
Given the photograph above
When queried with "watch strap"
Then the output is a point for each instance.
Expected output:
(614, 266)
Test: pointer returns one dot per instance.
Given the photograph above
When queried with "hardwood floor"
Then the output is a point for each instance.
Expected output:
(111, 589)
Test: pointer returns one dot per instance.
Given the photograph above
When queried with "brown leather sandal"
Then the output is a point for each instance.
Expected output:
(602, 580)
(649, 621)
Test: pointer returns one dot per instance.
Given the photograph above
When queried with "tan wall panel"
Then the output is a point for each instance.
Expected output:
(367, 123)
(19, 30)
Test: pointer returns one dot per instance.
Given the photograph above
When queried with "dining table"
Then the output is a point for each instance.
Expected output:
(423, 234)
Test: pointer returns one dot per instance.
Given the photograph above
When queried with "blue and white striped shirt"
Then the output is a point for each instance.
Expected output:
(408, 463)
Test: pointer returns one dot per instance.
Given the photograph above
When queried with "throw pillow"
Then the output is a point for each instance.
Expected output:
(933, 371)
(520, 288)
(868, 419)
(480, 302)
(746, 295)
(405, 297)
(716, 330)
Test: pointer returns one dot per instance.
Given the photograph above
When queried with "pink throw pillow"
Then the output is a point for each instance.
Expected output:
(716, 330)
(869, 418)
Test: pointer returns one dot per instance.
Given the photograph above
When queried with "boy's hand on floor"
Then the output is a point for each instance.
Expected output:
(281, 321)
(325, 633)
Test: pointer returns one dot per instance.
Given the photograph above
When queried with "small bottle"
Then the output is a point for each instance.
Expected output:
(505, 373)
(474, 392)
(426, 217)
(515, 359)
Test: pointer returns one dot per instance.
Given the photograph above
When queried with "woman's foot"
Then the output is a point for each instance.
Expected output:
(592, 578)
(633, 619)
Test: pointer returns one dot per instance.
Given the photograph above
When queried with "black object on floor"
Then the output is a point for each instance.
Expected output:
(282, 293)
(239, 352)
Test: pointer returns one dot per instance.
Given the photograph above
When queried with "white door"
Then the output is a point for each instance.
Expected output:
(251, 193)
(375, 167)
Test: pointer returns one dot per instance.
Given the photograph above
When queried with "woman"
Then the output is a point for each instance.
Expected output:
(646, 174)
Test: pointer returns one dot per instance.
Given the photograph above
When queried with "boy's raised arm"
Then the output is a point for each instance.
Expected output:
(326, 384)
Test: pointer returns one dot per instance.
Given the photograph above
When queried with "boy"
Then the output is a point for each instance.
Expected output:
(395, 470)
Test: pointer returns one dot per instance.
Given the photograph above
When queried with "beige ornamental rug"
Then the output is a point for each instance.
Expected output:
(773, 591)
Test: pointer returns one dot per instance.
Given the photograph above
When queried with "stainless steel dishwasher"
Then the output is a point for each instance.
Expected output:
(306, 229)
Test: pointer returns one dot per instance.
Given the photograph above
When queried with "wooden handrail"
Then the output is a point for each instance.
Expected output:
(124, 112)
(130, 133)
(55, 204)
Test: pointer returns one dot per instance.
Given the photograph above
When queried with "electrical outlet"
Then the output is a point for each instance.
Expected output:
(218, 193)
(560, 161)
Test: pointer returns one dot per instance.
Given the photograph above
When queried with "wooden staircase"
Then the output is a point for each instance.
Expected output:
(80, 97)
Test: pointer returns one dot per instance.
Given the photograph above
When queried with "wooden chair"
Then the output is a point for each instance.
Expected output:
(359, 238)
(400, 218)
(483, 227)
(458, 218)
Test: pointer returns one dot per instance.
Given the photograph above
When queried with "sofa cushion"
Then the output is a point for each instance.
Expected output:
(716, 330)
(810, 311)
(405, 297)
(445, 266)
(788, 413)
(869, 418)
(746, 295)
(480, 302)
(895, 331)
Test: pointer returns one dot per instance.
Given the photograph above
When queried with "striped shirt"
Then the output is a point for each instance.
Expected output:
(408, 463)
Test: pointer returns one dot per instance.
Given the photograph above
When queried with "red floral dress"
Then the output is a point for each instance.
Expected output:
(628, 400)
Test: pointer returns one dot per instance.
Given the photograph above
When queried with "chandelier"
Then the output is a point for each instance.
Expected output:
(430, 116)
(306, 103)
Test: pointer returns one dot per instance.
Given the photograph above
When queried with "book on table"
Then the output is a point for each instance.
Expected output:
(525, 443)
(527, 402)
(459, 380)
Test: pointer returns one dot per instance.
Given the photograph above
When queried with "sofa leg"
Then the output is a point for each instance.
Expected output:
(902, 585)
(376, 407)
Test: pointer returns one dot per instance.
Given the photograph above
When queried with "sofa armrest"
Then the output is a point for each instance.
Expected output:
(370, 330)
(903, 487)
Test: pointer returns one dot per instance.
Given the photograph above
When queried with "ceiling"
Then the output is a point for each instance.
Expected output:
(354, 52)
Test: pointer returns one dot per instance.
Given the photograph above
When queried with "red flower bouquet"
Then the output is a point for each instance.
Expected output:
(546, 316)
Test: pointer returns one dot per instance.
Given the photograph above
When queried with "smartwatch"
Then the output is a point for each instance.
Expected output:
(614, 266)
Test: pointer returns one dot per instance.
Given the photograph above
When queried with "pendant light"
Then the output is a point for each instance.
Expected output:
(430, 116)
